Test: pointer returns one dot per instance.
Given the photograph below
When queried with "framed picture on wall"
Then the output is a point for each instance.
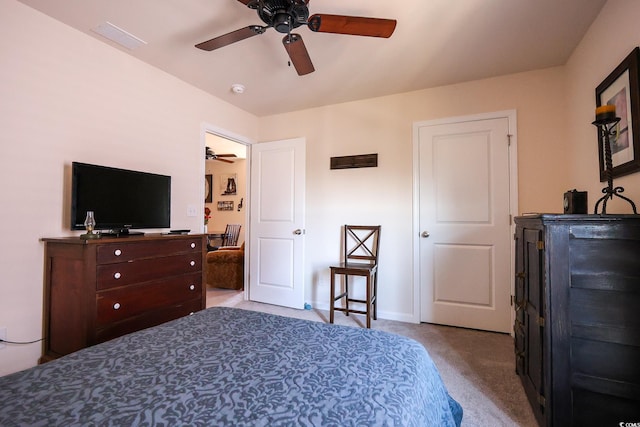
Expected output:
(208, 188)
(620, 88)
(228, 184)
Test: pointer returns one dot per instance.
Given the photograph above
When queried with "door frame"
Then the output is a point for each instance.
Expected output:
(511, 116)
(248, 142)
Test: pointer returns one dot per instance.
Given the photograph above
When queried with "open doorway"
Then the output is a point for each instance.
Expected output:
(226, 185)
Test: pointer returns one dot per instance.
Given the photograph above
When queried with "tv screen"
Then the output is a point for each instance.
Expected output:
(120, 199)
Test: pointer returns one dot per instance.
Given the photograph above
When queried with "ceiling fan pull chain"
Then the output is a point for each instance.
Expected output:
(289, 42)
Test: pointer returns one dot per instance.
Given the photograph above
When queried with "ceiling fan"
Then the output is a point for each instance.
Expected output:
(209, 154)
(286, 15)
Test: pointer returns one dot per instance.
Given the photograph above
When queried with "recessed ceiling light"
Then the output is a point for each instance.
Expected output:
(237, 88)
(118, 35)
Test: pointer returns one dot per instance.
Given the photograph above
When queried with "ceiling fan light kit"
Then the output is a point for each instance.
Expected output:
(286, 15)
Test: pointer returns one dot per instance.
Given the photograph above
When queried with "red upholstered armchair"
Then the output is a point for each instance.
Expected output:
(225, 267)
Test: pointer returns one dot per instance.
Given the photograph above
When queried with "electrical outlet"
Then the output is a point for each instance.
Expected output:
(3, 336)
(192, 210)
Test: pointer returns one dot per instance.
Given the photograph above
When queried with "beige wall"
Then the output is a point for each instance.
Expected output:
(65, 97)
(384, 195)
(609, 40)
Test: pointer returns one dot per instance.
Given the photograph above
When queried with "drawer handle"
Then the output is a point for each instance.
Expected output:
(116, 306)
(192, 263)
(192, 287)
(117, 275)
(193, 245)
(117, 252)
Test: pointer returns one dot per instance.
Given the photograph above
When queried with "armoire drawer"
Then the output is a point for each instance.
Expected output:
(123, 252)
(142, 270)
(117, 304)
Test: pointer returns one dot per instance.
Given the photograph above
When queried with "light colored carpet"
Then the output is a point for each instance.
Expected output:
(477, 367)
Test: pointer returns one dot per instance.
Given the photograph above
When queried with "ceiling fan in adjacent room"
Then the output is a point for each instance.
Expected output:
(211, 155)
(286, 15)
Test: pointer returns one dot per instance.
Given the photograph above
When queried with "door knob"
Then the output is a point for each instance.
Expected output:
(297, 232)
(425, 234)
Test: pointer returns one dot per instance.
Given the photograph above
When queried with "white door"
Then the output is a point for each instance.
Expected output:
(464, 224)
(276, 272)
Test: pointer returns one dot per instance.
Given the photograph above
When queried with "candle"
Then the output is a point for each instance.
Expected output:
(605, 112)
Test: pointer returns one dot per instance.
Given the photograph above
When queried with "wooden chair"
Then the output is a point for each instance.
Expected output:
(229, 238)
(360, 258)
(231, 234)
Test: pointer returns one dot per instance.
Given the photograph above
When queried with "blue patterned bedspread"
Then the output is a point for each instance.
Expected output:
(226, 366)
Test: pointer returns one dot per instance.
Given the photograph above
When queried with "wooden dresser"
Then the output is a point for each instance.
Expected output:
(577, 327)
(96, 290)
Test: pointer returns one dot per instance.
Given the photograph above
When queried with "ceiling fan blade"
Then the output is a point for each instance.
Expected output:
(232, 37)
(353, 25)
(246, 2)
(298, 54)
(226, 155)
(223, 160)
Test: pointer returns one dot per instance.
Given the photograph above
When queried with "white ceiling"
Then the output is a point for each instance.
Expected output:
(436, 42)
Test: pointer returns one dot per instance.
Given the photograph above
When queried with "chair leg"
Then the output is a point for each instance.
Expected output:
(375, 296)
(333, 295)
(346, 289)
(368, 302)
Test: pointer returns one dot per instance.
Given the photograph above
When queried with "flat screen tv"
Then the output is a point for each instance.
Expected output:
(121, 199)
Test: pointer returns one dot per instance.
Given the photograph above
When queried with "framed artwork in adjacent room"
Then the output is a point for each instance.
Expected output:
(208, 188)
(228, 184)
(620, 88)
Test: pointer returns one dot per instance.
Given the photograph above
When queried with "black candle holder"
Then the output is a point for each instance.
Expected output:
(606, 126)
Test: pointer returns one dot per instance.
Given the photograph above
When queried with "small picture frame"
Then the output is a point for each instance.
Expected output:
(620, 88)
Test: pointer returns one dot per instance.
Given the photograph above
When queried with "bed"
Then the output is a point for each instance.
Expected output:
(227, 366)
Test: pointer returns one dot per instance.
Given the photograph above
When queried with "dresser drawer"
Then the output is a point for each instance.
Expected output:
(142, 270)
(122, 252)
(118, 304)
(147, 320)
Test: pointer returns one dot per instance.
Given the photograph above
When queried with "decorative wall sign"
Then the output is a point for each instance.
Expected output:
(621, 88)
(359, 161)
(225, 205)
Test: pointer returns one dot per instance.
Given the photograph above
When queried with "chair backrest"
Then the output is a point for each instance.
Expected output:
(231, 234)
(361, 243)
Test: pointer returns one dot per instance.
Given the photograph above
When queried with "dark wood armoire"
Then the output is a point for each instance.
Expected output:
(577, 327)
